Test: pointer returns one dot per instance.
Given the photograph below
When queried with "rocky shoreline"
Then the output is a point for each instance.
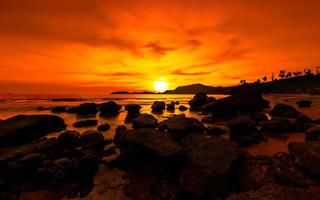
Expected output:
(178, 158)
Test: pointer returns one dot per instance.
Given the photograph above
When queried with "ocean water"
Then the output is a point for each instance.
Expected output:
(11, 105)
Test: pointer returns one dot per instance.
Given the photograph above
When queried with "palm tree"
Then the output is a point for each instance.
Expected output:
(264, 79)
(243, 82)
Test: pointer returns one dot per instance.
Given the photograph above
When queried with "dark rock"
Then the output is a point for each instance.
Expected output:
(86, 123)
(171, 106)
(158, 106)
(183, 108)
(69, 138)
(209, 120)
(59, 109)
(284, 110)
(198, 101)
(259, 117)
(180, 126)
(306, 155)
(278, 192)
(312, 134)
(86, 109)
(303, 122)
(277, 125)
(103, 127)
(23, 129)
(243, 129)
(119, 131)
(109, 109)
(133, 109)
(304, 103)
(217, 130)
(92, 137)
(242, 102)
(177, 102)
(211, 161)
(303, 119)
(145, 121)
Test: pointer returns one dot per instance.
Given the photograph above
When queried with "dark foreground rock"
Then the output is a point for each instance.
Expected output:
(171, 106)
(23, 129)
(59, 109)
(312, 134)
(109, 109)
(217, 130)
(284, 110)
(86, 123)
(199, 100)
(145, 121)
(158, 106)
(133, 112)
(85, 109)
(304, 103)
(208, 172)
(182, 108)
(277, 125)
(242, 102)
(69, 139)
(103, 127)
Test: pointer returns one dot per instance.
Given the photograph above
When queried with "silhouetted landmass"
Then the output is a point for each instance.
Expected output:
(301, 84)
(126, 92)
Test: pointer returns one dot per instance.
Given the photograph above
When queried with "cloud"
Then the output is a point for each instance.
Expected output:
(182, 73)
(159, 50)
(110, 74)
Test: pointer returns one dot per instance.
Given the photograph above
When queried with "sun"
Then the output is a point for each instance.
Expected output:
(160, 85)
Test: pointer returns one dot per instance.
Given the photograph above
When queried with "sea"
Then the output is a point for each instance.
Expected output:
(13, 104)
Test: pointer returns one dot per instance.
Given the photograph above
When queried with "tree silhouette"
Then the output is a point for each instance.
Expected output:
(282, 74)
(289, 75)
(243, 82)
(307, 72)
(264, 79)
(272, 76)
(297, 73)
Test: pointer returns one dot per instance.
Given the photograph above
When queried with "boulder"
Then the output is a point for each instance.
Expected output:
(85, 109)
(92, 137)
(216, 130)
(86, 123)
(59, 109)
(177, 102)
(278, 192)
(180, 126)
(304, 103)
(145, 121)
(207, 174)
(244, 102)
(109, 109)
(133, 109)
(244, 130)
(23, 129)
(183, 108)
(103, 127)
(198, 101)
(171, 106)
(259, 117)
(69, 138)
(306, 156)
(284, 110)
(158, 106)
(119, 131)
(312, 134)
(277, 125)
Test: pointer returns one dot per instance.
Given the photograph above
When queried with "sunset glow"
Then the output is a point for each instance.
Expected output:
(100, 46)
(161, 85)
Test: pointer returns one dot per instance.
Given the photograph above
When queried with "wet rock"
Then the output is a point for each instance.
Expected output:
(306, 155)
(245, 102)
(109, 109)
(216, 130)
(92, 137)
(180, 126)
(303, 122)
(59, 109)
(259, 117)
(203, 177)
(199, 100)
(103, 127)
(30, 161)
(86, 123)
(312, 134)
(284, 110)
(145, 121)
(183, 108)
(177, 102)
(304, 103)
(243, 129)
(171, 106)
(158, 106)
(119, 131)
(69, 138)
(277, 125)
(278, 192)
(133, 109)
(23, 129)
(86, 109)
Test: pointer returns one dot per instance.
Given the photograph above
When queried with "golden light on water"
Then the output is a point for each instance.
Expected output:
(160, 85)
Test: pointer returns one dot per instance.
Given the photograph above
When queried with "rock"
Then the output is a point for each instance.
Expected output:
(303, 122)
(277, 125)
(177, 102)
(306, 156)
(216, 130)
(278, 192)
(180, 126)
(86, 123)
(284, 110)
(245, 102)
(103, 127)
(133, 109)
(23, 129)
(32, 160)
(243, 129)
(119, 131)
(109, 109)
(145, 121)
(211, 162)
(92, 137)
(59, 109)
(198, 101)
(148, 139)
(171, 106)
(86, 109)
(259, 117)
(183, 108)
(158, 106)
(69, 138)
(312, 134)
(304, 103)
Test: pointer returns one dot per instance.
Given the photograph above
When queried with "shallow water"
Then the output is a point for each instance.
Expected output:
(11, 105)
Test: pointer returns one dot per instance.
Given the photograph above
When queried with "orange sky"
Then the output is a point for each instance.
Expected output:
(95, 46)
